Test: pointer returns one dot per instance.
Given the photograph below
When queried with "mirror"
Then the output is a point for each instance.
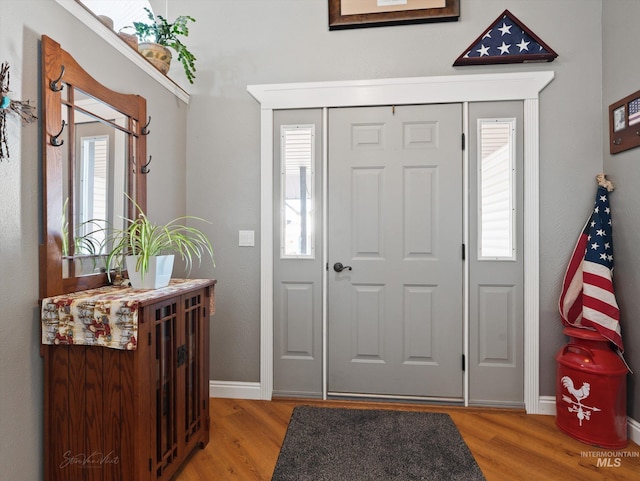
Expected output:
(94, 147)
(94, 180)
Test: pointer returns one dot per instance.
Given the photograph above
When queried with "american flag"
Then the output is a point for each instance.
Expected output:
(507, 40)
(587, 298)
(634, 112)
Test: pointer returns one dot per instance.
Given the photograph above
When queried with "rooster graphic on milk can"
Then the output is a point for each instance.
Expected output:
(582, 411)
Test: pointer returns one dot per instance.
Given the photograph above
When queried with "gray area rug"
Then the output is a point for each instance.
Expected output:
(332, 444)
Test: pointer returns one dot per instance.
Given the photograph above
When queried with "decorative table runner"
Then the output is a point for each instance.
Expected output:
(106, 316)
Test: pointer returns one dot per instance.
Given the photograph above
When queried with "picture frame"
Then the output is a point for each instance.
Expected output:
(344, 14)
(624, 123)
(486, 48)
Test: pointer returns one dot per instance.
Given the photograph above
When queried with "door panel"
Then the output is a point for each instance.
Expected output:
(496, 309)
(395, 217)
(297, 340)
(419, 185)
(297, 320)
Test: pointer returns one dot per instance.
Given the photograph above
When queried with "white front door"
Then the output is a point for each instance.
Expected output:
(395, 308)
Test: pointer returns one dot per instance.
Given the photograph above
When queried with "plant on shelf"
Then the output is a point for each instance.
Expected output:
(165, 34)
(146, 246)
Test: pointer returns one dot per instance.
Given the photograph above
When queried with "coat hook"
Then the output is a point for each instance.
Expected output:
(54, 138)
(145, 130)
(54, 83)
(144, 169)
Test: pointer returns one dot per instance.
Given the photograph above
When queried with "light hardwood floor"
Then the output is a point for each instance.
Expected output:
(509, 446)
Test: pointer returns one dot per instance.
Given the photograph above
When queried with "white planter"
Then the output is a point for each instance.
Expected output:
(159, 275)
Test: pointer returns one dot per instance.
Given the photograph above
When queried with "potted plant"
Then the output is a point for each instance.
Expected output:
(149, 249)
(158, 35)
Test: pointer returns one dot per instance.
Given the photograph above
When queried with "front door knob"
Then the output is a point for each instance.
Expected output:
(338, 267)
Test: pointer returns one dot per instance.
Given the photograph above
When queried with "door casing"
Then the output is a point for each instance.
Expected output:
(525, 86)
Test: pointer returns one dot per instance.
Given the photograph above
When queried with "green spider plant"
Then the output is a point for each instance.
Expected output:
(144, 239)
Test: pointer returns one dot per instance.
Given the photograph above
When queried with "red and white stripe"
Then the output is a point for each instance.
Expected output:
(587, 298)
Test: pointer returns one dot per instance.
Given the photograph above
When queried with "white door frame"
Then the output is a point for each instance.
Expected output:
(525, 86)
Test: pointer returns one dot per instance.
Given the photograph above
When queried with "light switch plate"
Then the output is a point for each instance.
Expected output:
(246, 238)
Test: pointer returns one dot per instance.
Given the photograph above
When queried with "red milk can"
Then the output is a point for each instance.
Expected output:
(591, 390)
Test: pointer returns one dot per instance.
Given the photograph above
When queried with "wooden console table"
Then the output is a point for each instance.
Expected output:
(126, 381)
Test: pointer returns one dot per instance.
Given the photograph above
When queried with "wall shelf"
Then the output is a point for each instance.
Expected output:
(119, 44)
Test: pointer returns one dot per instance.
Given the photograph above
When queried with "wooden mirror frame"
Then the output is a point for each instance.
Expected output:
(58, 66)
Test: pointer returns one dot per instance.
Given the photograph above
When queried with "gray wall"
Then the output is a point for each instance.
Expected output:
(272, 41)
(621, 72)
(241, 42)
(22, 22)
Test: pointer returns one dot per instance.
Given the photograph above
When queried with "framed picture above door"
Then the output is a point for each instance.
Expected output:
(379, 13)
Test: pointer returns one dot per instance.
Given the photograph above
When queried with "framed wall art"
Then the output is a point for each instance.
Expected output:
(624, 123)
(21, 109)
(378, 13)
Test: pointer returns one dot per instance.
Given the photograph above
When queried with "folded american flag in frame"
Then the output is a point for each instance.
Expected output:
(507, 40)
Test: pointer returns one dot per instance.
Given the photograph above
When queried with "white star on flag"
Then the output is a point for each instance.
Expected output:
(483, 51)
(505, 29)
(504, 48)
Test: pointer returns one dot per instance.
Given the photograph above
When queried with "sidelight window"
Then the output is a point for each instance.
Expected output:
(496, 189)
(297, 177)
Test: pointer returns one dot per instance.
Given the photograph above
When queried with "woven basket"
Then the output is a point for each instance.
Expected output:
(158, 55)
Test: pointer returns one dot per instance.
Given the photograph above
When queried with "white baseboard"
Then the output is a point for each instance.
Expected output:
(234, 390)
(633, 430)
(547, 405)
